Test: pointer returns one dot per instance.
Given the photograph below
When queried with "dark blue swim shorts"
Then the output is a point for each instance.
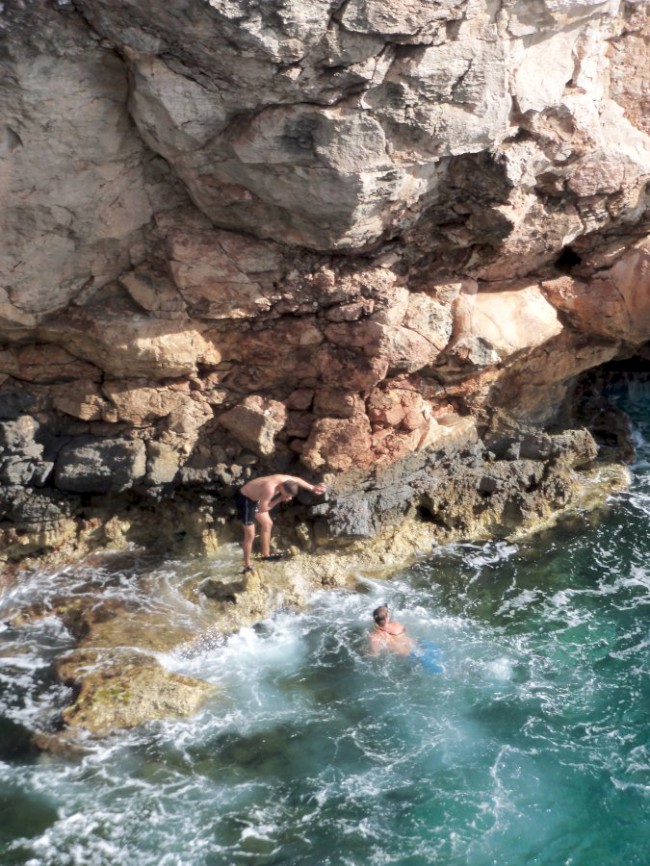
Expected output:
(246, 508)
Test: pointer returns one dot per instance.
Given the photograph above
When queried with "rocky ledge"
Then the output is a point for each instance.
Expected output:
(376, 527)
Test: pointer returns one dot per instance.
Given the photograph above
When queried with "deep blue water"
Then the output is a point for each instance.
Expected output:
(532, 746)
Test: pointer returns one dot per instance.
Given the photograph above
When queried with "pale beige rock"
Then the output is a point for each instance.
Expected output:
(615, 304)
(400, 18)
(629, 58)
(137, 402)
(72, 172)
(133, 345)
(451, 430)
(255, 423)
(163, 463)
(544, 69)
(222, 275)
(154, 292)
(431, 319)
(391, 300)
(491, 327)
(525, 19)
(80, 399)
(436, 86)
(340, 177)
(12, 318)
(333, 152)
(187, 419)
(124, 689)
(19, 433)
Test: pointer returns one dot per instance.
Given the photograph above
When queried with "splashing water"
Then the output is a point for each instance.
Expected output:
(530, 746)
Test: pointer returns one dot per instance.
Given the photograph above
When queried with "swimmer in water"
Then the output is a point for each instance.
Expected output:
(392, 636)
(389, 635)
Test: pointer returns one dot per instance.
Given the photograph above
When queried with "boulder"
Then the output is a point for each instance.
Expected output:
(492, 326)
(122, 690)
(88, 465)
(338, 444)
(18, 435)
(615, 304)
(255, 422)
(25, 471)
(163, 463)
(32, 510)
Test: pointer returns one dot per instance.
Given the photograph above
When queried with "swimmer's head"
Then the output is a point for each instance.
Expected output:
(381, 615)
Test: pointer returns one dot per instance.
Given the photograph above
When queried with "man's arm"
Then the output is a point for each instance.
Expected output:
(313, 488)
(270, 496)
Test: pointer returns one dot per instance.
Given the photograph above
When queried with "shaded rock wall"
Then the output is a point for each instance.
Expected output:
(317, 236)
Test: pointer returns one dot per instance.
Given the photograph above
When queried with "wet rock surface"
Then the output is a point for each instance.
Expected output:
(373, 527)
(124, 690)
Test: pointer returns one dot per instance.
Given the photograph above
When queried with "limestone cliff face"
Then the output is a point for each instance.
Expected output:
(314, 235)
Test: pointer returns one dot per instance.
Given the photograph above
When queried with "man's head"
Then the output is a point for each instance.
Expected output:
(381, 615)
(290, 488)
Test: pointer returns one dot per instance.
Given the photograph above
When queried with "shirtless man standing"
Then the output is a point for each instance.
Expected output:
(254, 502)
(389, 635)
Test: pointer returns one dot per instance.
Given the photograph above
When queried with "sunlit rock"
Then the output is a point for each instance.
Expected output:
(491, 326)
(339, 444)
(73, 180)
(255, 423)
(615, 304)
(125, 689)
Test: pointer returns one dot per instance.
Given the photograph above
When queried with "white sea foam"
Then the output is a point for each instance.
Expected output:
(500, 669)
(521, 601)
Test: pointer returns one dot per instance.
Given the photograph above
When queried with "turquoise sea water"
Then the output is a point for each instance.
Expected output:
(532, 746)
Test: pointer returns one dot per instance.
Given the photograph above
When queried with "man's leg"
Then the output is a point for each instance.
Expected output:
(266, 525)
(247, 543)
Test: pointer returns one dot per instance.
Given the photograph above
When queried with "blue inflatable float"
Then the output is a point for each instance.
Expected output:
(429, 655)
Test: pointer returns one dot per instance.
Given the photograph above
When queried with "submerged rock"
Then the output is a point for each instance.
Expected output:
(121, 690)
